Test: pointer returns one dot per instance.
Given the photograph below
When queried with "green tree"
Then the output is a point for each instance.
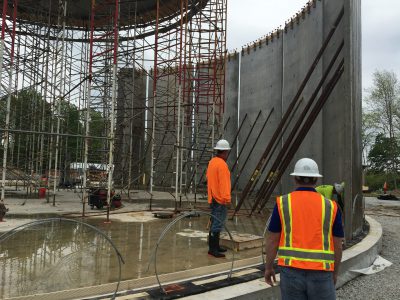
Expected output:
(368, 134)
(29, 115)
(381, 157)
(382, 119)
(97, 147)
(72, 122)
(383, 102)
(31, 119)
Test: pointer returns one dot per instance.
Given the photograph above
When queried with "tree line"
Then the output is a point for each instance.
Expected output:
(381, 130)
(33, 119)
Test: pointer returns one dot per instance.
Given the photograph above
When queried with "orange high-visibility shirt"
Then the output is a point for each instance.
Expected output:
(218, 181)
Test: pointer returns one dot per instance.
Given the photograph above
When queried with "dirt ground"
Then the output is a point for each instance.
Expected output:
(384, 284)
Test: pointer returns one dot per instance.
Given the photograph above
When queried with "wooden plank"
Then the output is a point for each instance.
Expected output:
(241, 241)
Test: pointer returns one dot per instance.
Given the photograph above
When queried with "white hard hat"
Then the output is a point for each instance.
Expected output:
(222, 145)
(306, 167)
(339, 187)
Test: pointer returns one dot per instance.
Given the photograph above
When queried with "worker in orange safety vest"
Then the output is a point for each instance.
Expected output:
(219, 195)
(306, 234)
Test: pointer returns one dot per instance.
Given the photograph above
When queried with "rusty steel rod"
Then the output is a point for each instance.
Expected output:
(288, 112)
(296, 127)
(270, 154)
(237, 133)
(245, 142)
(251, 150)
(303, 132)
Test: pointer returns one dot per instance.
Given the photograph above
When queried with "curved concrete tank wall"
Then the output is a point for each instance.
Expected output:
(266, 76)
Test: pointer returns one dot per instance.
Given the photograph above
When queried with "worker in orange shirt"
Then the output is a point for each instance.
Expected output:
(219, 195)
(306, 232)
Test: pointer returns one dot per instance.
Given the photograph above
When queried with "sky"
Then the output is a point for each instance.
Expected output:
(251, 19)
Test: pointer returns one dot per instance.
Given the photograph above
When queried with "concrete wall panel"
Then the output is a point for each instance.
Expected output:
(232, 98)
(130, 144)
(342, 113)
(302, 42)
(260, 91)
(270, 76)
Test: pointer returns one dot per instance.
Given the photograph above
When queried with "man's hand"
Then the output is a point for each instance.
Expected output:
(269, 276)
(271, 248)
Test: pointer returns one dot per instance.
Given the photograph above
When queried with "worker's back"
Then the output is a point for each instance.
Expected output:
(218, 181)
(307, 225)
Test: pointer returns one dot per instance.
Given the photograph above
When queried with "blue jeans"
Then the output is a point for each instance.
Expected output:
(298, 284)
(219, 211)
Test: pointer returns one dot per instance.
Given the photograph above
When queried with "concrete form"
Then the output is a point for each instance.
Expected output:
(267, 74)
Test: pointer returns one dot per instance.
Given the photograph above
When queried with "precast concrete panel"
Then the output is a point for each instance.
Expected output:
(342, 115)
(356, 95)
(129, 144)
(166, 123)
(301, 43)
(232, 98)
(270, 76)
(260, 89)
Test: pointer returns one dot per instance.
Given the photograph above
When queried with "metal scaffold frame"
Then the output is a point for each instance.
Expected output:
(6, 70)
(126, 99)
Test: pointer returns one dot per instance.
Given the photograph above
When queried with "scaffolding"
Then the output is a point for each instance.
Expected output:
(116, 94)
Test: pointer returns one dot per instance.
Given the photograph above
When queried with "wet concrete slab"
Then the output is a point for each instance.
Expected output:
(74, 256)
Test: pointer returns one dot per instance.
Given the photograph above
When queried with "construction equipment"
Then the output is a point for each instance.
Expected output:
(98, 197)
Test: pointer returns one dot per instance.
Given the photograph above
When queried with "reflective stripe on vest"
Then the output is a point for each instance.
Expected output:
(285, 207)
(327, 216)
(288, 253)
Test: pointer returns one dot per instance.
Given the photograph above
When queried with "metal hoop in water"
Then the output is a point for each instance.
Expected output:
(168, 227)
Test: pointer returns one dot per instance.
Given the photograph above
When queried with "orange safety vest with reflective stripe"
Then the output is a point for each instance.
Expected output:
(306, 240)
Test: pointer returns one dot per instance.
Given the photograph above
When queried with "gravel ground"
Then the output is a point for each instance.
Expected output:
(384, 284)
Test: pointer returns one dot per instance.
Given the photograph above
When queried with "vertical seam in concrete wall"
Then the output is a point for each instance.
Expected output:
(146, 115)
(238, 101)
(323, 154)
(351, 71)
(282, 100)
(238, 112)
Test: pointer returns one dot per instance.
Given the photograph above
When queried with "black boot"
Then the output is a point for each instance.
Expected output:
(212, 242)
(220, 249)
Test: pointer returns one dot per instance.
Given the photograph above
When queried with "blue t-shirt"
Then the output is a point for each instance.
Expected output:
(275, 222)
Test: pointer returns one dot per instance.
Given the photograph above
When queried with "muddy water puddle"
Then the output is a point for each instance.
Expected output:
(54, 256)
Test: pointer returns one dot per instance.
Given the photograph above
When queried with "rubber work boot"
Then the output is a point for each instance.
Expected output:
(220, 249)
(212, 242)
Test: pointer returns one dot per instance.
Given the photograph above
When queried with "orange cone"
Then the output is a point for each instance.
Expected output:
(384, 187)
